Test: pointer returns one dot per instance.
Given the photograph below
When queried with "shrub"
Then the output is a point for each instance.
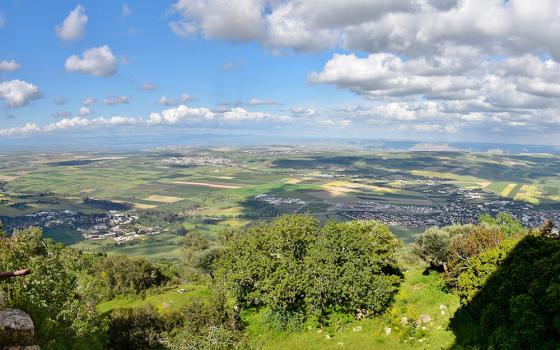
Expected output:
(433, 247)
(512, 301)
(293, 265)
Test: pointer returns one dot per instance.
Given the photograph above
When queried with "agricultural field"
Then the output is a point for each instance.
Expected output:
(228, 188)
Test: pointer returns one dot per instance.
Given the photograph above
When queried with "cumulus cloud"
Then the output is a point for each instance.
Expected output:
(262, 102)
(147, 87)
(69, 124)
(180, 115)
(72, 28)
(184, 114)
(115, 100)
(307, 112)
(88, 101)
(443, 65)
(166, 101)
(304, 25)
(400, 26)
(170, 101)
(239, 20)
(9, 66)
(17, 93)
(84, 111)
(97, 61)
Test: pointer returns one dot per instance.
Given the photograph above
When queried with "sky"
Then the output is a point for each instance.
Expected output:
(426, 70)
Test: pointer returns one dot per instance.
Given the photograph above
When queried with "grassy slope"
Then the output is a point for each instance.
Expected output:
(167, 299)
(420, 293)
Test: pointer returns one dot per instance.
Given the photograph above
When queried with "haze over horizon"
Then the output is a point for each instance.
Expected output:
(435, 71)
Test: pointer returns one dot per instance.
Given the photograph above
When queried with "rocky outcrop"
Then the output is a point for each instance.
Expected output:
(16, 330)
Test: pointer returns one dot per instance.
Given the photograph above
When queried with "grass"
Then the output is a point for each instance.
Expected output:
(162, 246)
(420, 295)
(167, 299)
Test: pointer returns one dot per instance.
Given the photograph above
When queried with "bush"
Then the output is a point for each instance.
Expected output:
(433, 247)
(512, 301)
(123, 275)
(140, 328)
(57, 295)
(293, 265)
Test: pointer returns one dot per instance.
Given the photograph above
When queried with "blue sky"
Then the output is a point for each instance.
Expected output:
(426, 70)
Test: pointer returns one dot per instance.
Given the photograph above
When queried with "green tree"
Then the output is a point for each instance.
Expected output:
(62, 308)
(510, 296)
(352, 266)
(433, 247)
(293, 265)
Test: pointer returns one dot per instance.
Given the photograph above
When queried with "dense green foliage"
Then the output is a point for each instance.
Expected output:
(60, 298)
(201, 324)
(452, 248)
(121, 275)
(65, 286)
(510, 295)
(433, 247)
(294, 265)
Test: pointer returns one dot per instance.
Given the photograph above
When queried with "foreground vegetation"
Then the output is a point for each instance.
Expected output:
(295, 283)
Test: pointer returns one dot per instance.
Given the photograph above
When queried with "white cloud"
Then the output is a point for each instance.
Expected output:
(170, 101)
(97, 61)
(73, 26)
(28, 128)
(185, 97)
(184, 114)
(17, 93)
(239, 20)
(262, 102)
(147, 87)
(9, 66)
(302, 111)
(448, 129)
(88, 101)
(115, 100)
(84, 111)
(166, 101)
(125, 10)
(179, 114)
(2, 21)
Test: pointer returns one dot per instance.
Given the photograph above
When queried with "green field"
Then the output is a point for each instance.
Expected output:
(210, 198)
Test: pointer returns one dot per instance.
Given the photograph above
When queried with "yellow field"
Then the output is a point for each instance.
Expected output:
(529, 193)
(144, 206)
(449, 176)
(292, 181)
(206, 184)
(338, 188)
(163, 199)
(506, 191)
(484, 183)
(7, 177)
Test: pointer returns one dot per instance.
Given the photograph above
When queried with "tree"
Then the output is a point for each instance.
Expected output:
(510, 296)
(506, 223)
(352, 267)
(433, 247)
(294, 265)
